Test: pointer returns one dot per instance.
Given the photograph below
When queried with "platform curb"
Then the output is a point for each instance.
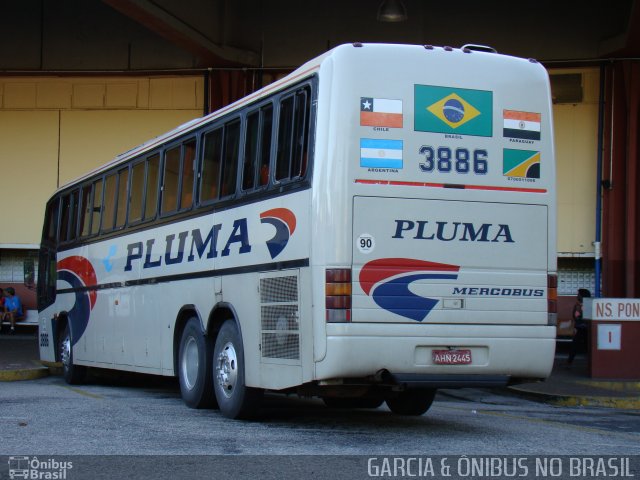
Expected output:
(621, 403)
(23, 374)
(617, 385)
(609, 402)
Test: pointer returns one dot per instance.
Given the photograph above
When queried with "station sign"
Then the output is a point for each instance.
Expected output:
(612, 309)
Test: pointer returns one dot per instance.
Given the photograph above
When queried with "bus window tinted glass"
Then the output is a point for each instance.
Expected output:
(151, 196)
(64, 218)
(73, 227)
(293, 135)
(123, 188)
(109, 203)
(97, 207)
(285, 129)
(85, 213)
(300, 134)
(52, 220)
(137, 190)
(250, 151)
(230, 162)
(265, 145)
(211, 165)
(170, 180)
(188, 174)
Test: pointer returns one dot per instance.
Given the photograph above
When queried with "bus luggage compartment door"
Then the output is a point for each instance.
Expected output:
(449, 262)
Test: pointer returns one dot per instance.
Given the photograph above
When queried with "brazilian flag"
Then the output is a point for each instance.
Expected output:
(453, 110)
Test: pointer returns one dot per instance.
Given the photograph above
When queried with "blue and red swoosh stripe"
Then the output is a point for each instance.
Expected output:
(388, 280)
(79, 273)
(284, 222)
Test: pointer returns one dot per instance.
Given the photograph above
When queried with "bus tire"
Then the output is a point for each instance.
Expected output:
(73, 374)
(411, 402)
(235, 399)
(194, 367)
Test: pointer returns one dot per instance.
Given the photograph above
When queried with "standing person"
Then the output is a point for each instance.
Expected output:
(13, 308)
(579, 326)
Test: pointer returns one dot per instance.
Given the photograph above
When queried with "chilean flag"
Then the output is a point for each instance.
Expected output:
(380, 112)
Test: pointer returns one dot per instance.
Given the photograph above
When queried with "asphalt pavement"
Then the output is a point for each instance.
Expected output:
(567, 385)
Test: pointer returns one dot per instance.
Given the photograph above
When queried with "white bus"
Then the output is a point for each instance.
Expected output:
(376, 225)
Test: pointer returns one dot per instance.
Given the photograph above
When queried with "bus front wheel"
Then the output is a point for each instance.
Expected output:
(411, 402)
(73, 374)
(194, 367)
(235, 399)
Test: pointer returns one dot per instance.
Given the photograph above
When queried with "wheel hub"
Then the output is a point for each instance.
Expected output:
(65, 352)
(227, 369)
(190, 363)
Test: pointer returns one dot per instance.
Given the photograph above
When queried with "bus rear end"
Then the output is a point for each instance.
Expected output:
(438, 251)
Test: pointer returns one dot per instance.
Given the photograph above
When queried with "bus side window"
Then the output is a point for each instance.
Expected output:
(85, 209)
(230, 158)
(251, 150)
(293, 135)
(188, 174)
(285, 129)
(257, 150)
(123, 194)
(97, 207)
(73, 220)
(151, 190)
(137, 191)
(109, 203)
(266, 132)
(170, 180)
(51, 221)
(301, 133)
(209, 183)
(64, 218)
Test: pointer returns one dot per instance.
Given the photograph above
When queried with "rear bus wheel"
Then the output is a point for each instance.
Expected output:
(73, 374)
(235, 399)
(194, 367)
(411, 402)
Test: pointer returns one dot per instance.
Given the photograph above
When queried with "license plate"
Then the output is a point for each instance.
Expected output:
(451, 357)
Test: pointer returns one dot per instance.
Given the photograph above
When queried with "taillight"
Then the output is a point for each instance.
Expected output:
(552, 299)
(338, 295)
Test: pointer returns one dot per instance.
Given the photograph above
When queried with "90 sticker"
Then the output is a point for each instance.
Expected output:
(366, 243)
(460, 160)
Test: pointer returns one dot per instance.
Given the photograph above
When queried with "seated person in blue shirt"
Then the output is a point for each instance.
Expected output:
(13, 308)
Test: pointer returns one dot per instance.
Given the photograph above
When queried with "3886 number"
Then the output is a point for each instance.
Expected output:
(460, 160)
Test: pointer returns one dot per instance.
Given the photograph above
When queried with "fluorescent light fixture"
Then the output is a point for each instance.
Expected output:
(392, 11)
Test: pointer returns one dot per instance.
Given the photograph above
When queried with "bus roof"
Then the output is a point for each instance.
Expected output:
(304, 70)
